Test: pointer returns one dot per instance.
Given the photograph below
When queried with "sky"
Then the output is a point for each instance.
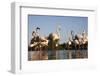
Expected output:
(48, 24)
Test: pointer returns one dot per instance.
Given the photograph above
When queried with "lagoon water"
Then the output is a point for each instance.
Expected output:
(61, 54)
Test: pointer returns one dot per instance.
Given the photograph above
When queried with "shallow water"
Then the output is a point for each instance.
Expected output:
(61, 54)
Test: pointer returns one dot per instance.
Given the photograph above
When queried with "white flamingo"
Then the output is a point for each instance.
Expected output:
(43, 40)
(79, 39)
(85, 38)
(82, 39)
(56, 35)
(38, 43)
(53, 41)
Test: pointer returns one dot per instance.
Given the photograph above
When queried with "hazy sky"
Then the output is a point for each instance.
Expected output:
(48, 24)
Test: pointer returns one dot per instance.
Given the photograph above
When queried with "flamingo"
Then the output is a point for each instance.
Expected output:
(78, 40)
(38, 43)
(36, 39)
(69, 43)
(54, 37)
(53, 41)
(81, 39)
